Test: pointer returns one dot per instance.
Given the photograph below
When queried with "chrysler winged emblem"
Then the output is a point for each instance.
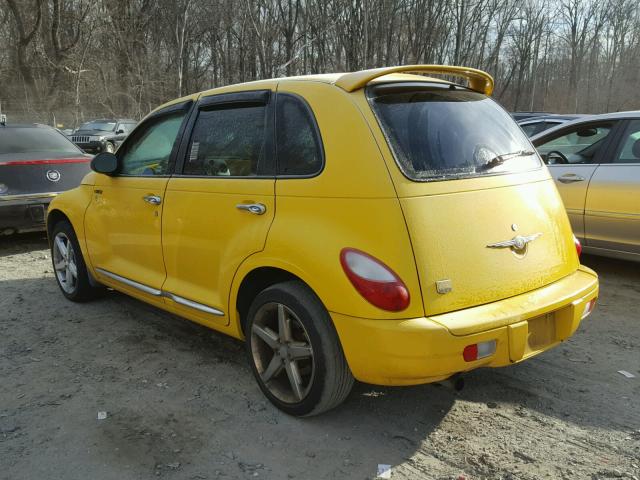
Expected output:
(518, 243)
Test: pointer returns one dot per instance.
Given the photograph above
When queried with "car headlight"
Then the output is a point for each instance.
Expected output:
(96, 138)
(3, 188)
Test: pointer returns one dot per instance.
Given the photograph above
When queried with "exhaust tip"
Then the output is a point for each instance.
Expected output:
(455, 383)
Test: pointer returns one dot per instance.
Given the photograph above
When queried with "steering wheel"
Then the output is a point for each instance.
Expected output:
(561, 157)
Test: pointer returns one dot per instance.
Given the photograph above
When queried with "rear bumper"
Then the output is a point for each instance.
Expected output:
(24, 213)
(424, 350)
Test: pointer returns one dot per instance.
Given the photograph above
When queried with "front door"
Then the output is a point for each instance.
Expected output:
(612, 211)
(219, 208)
(123, 221)
(572, 156)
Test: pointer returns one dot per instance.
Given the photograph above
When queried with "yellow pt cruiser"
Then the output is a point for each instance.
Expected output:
(378, 225)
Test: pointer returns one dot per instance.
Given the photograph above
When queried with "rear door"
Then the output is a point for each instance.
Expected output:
(221, 202)
(612, 210)
(572, 155)
(123, 220)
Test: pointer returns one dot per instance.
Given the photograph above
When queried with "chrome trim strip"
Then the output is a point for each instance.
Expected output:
(159, 293)
(131, 283)
(28, 196)
(194, 305)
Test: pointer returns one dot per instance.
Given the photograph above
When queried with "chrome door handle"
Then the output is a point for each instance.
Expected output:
(570, 178)
(255, 208)
(152, 199)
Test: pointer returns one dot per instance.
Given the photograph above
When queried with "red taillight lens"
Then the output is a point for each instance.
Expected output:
(578, 245)
(376, 282)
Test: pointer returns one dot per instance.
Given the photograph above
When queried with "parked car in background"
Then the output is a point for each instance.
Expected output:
(450, 252)
(535, 125)
(36, 163)
(596, 163)
(104, 135)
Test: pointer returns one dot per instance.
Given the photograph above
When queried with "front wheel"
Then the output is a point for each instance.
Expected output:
(68, 264)
(294, 351)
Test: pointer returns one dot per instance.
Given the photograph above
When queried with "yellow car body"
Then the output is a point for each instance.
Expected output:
(196, 255)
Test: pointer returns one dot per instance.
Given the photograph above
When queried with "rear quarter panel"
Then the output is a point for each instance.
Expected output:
(351, 203)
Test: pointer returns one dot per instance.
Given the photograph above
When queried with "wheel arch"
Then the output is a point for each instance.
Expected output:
(53, 217)
(253, 277)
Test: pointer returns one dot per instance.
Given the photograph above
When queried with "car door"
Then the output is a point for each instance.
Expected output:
(612, 210)
(572, 155)
(123, 220)
(220, 203)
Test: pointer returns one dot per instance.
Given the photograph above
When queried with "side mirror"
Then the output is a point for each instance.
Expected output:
(119, 131)
(105, 162)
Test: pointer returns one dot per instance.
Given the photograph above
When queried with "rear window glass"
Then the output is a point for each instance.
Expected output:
(228, 142)
(35, 140)
(441, 133)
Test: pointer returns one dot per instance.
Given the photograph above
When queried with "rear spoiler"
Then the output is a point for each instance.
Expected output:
(478, 80)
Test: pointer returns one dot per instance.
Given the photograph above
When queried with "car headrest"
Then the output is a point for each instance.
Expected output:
(636, 149)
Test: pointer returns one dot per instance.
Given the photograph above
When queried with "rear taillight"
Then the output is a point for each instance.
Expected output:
(578, 245)
(376, 282)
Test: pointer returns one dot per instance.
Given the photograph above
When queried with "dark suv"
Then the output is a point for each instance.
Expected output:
(102, 135)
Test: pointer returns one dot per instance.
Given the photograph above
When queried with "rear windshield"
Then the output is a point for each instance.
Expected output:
(35, 140)
(441, 132)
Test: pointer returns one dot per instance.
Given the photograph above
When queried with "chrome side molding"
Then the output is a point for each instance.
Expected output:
(131, 283)
(161, 293)
(195, 305)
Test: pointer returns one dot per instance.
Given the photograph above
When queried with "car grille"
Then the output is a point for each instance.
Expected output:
(80, 139)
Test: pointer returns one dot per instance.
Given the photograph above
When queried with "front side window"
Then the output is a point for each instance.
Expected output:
(228, 142)
(630, 152)
(149, 152)
(580, 144)
(441, 132)
(298, 144)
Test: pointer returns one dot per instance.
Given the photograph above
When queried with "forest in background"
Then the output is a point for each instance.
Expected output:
(65, 61)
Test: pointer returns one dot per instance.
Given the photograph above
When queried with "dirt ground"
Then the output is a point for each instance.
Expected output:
(181, 402)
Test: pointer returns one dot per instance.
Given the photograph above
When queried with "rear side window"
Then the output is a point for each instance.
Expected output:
(228, 142)
(441, 133)
(299, 148)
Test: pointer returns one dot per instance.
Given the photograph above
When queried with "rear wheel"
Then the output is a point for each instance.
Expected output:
(68, 264)
(294, 351)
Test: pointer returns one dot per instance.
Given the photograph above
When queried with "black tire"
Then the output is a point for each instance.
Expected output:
(80, 290)
(109, 147)
(330, 380)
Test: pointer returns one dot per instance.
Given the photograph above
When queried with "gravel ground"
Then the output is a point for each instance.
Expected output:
(181, 402)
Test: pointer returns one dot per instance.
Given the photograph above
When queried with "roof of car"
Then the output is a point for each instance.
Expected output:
(550, 117)
(351, 81)
(633, 114)
(111, 120)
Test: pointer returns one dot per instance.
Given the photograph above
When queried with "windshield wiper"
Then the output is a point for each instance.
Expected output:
(500, 159)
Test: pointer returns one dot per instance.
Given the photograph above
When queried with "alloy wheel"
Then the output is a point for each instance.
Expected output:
(64, 262)
(282, 352)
